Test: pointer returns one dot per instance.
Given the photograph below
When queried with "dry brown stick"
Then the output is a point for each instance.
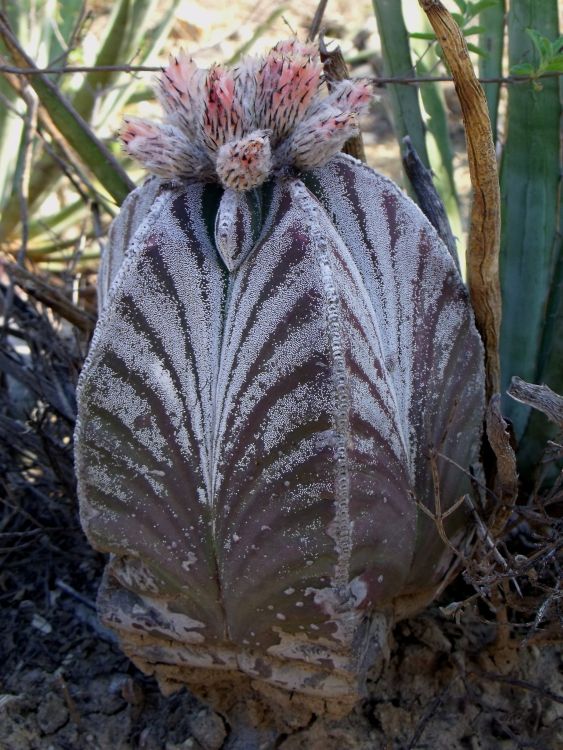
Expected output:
(507, 680)
(506, 486)
(428, 197)
(69, 700)
(484, 232)
(317, 20)
(539, 397)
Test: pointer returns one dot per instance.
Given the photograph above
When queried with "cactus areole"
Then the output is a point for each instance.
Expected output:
(285, 373)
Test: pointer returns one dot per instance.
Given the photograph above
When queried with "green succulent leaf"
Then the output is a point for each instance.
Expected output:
(522, 69)
(473, 30)
(476, 8)
(477, 50)
(530, 183)
(462, 5)
(555, 65)
(396, 53)
(429, 35)
(491, 41)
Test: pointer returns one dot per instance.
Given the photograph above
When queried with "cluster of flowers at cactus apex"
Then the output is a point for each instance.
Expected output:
(243, 125)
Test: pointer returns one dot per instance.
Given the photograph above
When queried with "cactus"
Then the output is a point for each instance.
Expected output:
(284, 386)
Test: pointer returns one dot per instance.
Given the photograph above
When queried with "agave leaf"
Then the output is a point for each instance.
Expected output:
(44, 38)
(153, 39)
(69, 123)
(252, 447)
(530, 176)
(259, 31)
(438, 139)
(550, 370)
(125, 27)
(68, 216)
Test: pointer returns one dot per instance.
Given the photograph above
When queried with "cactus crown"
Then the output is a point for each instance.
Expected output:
(241, 125)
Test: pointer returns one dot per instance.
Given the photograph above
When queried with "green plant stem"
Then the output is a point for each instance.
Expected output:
(490, 66)
(397, 58)
(85, 98)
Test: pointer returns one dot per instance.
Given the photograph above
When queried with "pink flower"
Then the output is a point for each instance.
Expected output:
(242, 125)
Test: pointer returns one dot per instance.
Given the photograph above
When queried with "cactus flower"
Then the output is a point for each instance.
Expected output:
(284, 375)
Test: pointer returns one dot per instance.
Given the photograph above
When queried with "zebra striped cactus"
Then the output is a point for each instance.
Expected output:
(284, 384)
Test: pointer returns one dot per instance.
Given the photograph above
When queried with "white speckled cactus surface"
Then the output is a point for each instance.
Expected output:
(285, 370)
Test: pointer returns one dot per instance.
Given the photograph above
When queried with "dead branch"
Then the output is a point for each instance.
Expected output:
(377, 80)
(539, 397)
(484, 233)
(317, 20)
(50, 296)
(506, 480)
(428, 197)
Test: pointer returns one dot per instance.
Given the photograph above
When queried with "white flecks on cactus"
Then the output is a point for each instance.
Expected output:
(242, 125)
(260, 436)
(285, 369)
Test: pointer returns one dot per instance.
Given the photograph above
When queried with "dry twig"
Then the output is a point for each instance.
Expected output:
(377, 80)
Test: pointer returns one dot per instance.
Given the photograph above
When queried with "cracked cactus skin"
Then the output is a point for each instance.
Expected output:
(285, 370)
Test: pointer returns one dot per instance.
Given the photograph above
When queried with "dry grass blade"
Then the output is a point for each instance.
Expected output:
(50, 296)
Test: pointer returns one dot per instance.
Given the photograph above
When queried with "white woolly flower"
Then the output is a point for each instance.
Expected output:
(239, 126)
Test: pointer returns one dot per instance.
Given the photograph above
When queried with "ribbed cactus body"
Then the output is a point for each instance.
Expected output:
(252, 446)
(280, 378)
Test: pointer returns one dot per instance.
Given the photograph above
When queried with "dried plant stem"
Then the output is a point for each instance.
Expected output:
(484, 232)
(498, 599)
(317, 20)
(428, 197)
(540, 397)
(523, 684)
(51, 297)
(506, 485)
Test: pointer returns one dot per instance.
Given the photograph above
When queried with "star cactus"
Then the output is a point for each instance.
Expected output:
(285, 383)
